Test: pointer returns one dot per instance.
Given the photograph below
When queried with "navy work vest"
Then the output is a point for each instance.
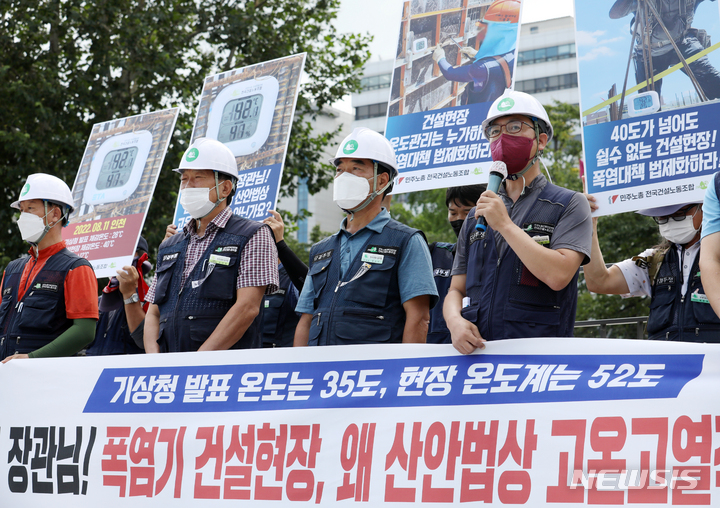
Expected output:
(189, 314)
(112, 336)
(39, 318)
(507, 300)
(279, 318)
(676, 317)
(442, 260)
(364, 307)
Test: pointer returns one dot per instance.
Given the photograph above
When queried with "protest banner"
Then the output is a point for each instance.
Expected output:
(531, 422)
(454, 58)
(251, 111)
(648, 77)
(114, 187)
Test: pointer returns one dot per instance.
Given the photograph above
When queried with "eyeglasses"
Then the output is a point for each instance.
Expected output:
(513, 128)
(678, 216)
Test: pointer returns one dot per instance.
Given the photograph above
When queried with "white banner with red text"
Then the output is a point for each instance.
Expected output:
(534, 422)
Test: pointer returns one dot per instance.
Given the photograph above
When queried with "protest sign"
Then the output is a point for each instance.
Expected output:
(251, 111)
(454, 58)
(114, 187)
(648, 77)
(532, 422)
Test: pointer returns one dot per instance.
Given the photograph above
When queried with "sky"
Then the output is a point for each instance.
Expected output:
(381, 18)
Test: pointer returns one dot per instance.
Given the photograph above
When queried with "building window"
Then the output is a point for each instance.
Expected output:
(371, 111)
(534, 29)
(375, 82)
(547, 84)
(539, 55)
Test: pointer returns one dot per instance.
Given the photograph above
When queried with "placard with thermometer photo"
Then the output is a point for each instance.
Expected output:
(114, 187)
(251, 111)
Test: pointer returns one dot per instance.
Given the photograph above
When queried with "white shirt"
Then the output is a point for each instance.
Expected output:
(638, 279)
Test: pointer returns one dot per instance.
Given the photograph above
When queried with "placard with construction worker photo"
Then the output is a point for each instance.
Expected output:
(454, 58)
(649, 79)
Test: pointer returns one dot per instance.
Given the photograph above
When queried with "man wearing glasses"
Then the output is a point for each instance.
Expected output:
(518, 278)
(668, 273)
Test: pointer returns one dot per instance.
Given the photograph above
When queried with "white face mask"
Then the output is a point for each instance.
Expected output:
(349, 191)
(196, 201)
(32, 228)
(679, 232)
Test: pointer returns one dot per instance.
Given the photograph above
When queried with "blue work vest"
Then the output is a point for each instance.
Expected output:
(40, 317)
(112, 336)
(507, 300)
(279, 318)
(363, 307)
(442, 255)
(676, 317)
(191, 312)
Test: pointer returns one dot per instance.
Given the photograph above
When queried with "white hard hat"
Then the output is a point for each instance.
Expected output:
(519, 103)
(209, 154)
(364, 143)
(45, 187)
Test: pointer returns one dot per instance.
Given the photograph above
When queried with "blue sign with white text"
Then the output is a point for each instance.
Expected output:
(407, 382)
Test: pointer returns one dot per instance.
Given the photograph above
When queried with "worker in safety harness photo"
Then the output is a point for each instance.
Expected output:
(372, 281)
(664, 37)
(212, 275)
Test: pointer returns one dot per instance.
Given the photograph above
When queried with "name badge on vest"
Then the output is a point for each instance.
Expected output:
(368, 257)
(323, 255)
(219, 260)
(539, 227)
(475, 236)
(170, 257)
(45, 286)
(379, 249)
(227, 249)
(661, 281)
(441, 272)
(540, 232)
(699, 298)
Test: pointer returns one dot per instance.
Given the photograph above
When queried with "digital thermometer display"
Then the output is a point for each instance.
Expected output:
(644, 103)
(117, 167)
(242, 114)
(240, 118)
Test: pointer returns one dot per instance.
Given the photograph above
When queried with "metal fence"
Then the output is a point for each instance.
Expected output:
(603, 324)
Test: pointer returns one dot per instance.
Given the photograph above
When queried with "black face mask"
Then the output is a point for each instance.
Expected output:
(457, 225)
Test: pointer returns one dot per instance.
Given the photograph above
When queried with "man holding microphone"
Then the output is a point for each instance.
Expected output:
(518, 277)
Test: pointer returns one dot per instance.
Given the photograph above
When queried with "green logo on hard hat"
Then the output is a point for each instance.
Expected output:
(25, 189)
(192, 154)
(350, 147)
(505, 104)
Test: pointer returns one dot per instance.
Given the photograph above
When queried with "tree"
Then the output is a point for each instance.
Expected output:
(426, 211)
(66, 64)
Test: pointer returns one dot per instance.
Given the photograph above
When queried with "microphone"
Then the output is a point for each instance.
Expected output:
(498, 173)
